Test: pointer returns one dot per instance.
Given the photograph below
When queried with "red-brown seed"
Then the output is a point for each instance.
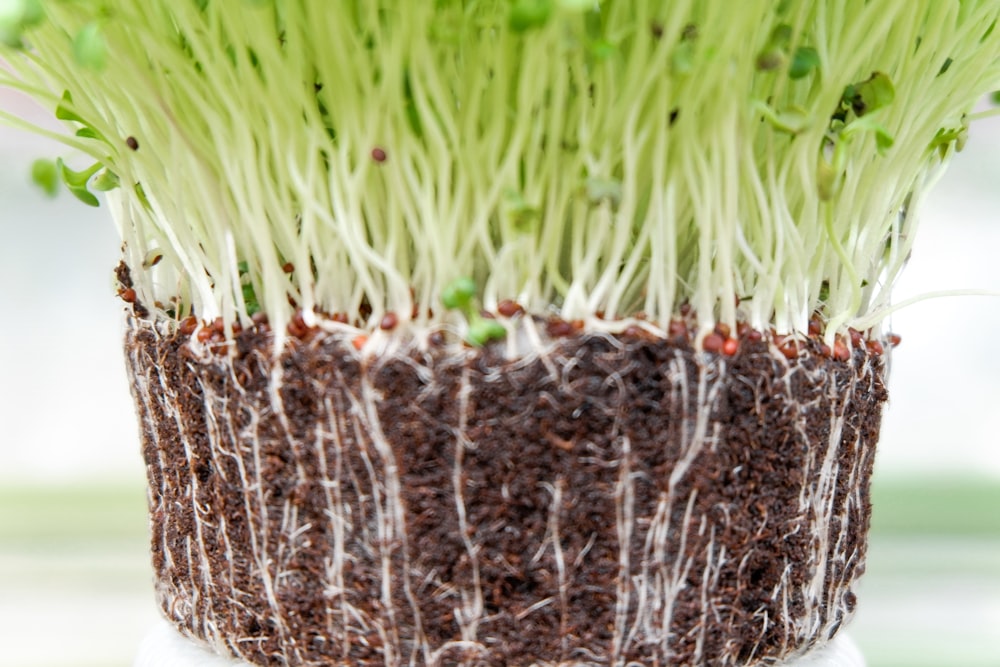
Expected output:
(840, 351)
(558, 328)
(754, 335)
(128, 295)
(713, 342)
(378, 154)
(205, 334)
(288, 267)
(359, 341)
(824, 349)
(789, 347)
(894, 339)
(340, 318)
(874, 347)
(815, 327)
(388, 322)
(509, 308)
(730, 347)
(297, 326)
(132, 143)
(723, 329)
(218, 325)
(188, 325)
(856, 338)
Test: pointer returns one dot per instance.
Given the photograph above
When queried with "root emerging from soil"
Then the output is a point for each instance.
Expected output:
(614, 501)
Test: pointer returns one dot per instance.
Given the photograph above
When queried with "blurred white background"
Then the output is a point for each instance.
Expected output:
(65, 411)
(66, 418)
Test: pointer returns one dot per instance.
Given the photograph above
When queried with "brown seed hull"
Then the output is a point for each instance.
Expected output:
(613, 501)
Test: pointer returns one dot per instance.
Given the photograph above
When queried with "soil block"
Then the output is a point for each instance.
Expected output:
(608, 500)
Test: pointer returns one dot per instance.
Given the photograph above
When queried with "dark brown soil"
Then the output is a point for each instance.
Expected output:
(616, 501)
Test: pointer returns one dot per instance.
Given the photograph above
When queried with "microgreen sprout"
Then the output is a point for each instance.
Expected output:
(460, 295)
(16, 17)
(45, 174)
(581, 157)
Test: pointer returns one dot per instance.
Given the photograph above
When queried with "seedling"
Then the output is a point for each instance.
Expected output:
(649, 156)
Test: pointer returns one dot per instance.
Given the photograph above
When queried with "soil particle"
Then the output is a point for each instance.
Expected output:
(617, 500)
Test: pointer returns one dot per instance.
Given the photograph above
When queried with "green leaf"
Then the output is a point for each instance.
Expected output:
(76, 181)
(770, 60)
(775, 51)
(459, 293)
(11, 38)
(528, 15)
(883, 140)
(601, 50)
(16, 16)
(32, 13)
(682, 58)
(826, 180)
(522, 214)
(141, 195)
(89, 47)
(64, 112)
(88, 132)
(76, 178)
(45, 174)
(872, 94)
(483, 330)
(945, 138)
(824, 291)
(105, 180)
(85, 195)
(792, 120)
(805, 60)
(250, 299)
(600, 189)
(989, 31)
(412, 114)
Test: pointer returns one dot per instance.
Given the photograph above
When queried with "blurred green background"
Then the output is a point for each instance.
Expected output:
(75, 583)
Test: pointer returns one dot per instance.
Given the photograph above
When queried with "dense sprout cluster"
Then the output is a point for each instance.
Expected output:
(756, 162)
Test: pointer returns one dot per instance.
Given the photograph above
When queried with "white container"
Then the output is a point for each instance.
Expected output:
(165, 647)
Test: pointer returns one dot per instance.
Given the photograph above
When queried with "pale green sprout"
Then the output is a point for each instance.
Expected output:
(758, 160)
